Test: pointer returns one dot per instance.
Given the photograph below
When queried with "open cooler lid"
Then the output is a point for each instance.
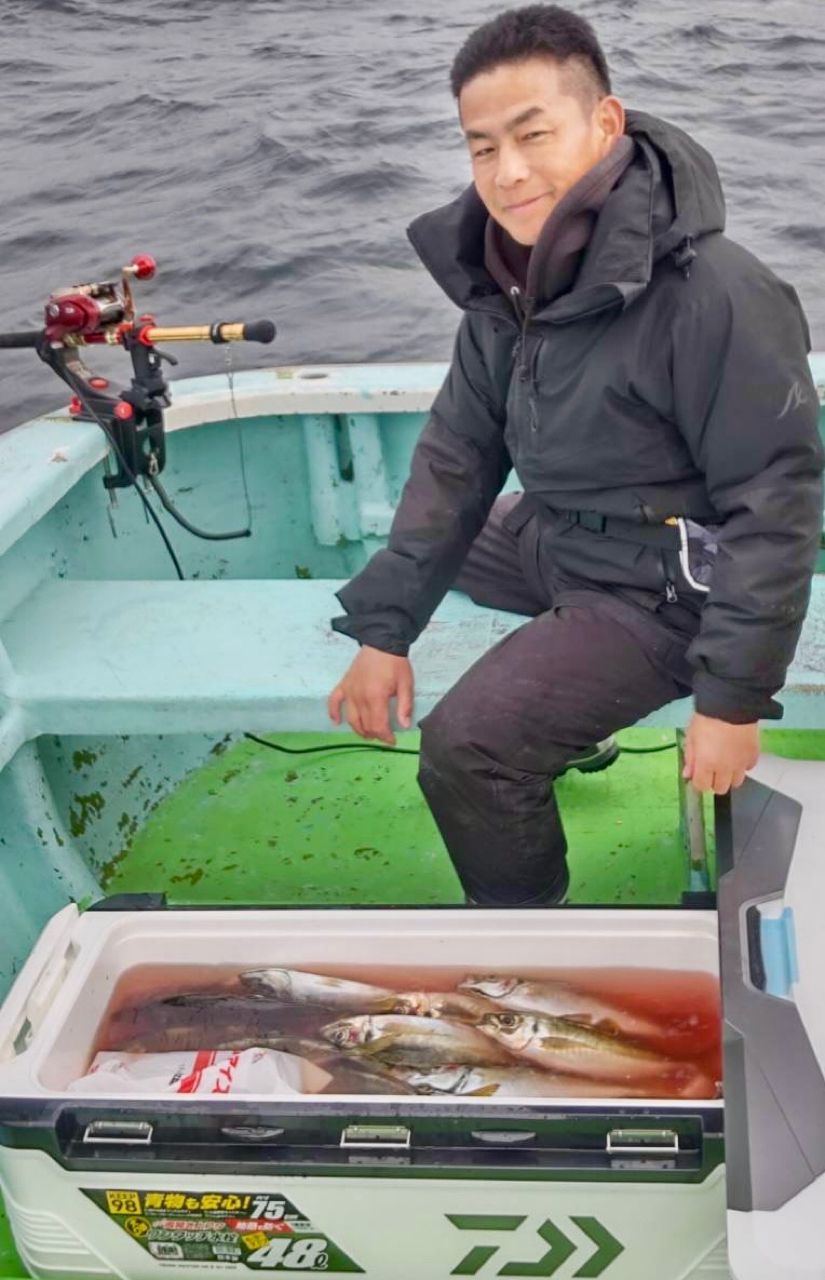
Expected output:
(771, 898)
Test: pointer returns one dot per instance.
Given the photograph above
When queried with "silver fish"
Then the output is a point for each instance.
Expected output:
(514, 1082)
(414, 1041)
(297, 987)
(349, 1074)
(561, 1000)
(558, 1044)
(452, 1005)
(299, 1046)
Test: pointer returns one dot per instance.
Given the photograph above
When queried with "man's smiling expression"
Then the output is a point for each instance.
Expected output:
(533, 130)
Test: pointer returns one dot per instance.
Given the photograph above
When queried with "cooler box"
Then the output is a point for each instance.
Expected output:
(421, 1188)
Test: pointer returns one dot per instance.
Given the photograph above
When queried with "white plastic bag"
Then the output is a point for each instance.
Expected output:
(216, 1071)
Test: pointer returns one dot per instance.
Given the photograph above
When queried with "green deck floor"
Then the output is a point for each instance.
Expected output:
(10, 1264)
(351, 826)
(255, 826)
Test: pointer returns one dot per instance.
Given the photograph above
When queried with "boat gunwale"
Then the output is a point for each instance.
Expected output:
(43, 459)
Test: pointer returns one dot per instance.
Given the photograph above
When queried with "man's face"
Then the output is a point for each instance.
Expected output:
(531, 137)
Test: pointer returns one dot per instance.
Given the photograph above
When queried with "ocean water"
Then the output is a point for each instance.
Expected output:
(270, 154)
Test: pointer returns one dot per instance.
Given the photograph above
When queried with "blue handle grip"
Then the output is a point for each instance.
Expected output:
(779, 958)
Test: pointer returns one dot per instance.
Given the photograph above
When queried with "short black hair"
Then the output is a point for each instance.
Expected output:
(534, 31)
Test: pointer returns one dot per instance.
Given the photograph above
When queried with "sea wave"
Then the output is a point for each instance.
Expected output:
(271, 154)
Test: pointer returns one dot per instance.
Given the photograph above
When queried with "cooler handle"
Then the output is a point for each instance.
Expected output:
(34, 988)
(774, 1085)
(773, 961)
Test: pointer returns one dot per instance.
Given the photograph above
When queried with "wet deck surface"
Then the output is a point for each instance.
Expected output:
(351, 827)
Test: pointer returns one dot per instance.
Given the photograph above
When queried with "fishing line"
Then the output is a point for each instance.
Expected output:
(230, 377)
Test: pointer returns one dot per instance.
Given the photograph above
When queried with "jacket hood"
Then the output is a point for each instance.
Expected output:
(669, 197)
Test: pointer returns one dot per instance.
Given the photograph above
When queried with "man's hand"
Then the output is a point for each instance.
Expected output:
(718, 754)
(367, 687)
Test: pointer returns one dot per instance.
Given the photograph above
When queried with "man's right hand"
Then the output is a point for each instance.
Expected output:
(373, 679)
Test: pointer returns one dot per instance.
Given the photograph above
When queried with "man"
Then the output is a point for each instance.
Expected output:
(634, 366)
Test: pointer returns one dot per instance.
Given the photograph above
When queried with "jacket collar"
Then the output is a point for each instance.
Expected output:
(551, 267)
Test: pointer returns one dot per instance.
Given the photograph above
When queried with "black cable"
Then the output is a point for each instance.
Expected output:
(405, 751)
(167, 502)
(332, 746)
(150, 510)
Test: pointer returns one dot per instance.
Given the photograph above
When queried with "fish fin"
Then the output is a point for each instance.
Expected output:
(376, 1046)
(554, 1042)
(383, 1004)
(607, 1026)
(484, 1091)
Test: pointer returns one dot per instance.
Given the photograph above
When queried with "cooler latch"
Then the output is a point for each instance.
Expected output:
(383, 1137)
(656, 1142)
(122, 1132)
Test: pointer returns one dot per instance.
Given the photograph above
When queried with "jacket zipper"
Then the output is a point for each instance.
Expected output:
(523, 308)
(671, 594)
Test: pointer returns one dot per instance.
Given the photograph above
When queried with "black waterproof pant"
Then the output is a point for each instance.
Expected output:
(588, 663)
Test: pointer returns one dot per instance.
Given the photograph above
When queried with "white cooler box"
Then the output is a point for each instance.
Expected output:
(423, 1188)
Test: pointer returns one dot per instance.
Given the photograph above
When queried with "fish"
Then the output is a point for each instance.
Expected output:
(558, 1044)
(300, 1046)
(411, 1040)
(516, 1082)
(352, 1076)
(684, 1081)
(211, 1000)
(180, 1025)
(453, 1005)
(297, 987)
(561, 1000)
(349, 1074)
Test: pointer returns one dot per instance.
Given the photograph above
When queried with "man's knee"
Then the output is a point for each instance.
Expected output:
(441, 740)
(464, 735)
(460, 737)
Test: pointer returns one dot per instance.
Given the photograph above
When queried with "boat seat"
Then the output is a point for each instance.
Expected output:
(167, 657)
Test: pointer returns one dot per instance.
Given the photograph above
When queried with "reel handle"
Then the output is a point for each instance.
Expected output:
(220, 332)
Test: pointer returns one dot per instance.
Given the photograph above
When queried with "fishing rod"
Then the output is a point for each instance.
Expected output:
(103, 313)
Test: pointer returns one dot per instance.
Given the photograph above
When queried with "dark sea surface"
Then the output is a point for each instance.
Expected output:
(270, 154)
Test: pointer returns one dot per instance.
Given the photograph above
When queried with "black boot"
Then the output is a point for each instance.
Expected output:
(593, 759)
(557, 899)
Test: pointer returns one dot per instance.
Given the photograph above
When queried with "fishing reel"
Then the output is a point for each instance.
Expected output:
(103, 313)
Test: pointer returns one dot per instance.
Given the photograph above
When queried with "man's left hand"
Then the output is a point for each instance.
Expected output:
(718, 754)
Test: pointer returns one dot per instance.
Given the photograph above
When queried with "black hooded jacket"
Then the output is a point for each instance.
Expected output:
(672, 379)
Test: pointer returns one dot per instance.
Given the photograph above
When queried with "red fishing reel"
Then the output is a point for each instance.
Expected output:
(93, 312)
(104, 312)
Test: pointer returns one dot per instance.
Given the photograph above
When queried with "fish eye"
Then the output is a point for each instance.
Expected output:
(507, 1019)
